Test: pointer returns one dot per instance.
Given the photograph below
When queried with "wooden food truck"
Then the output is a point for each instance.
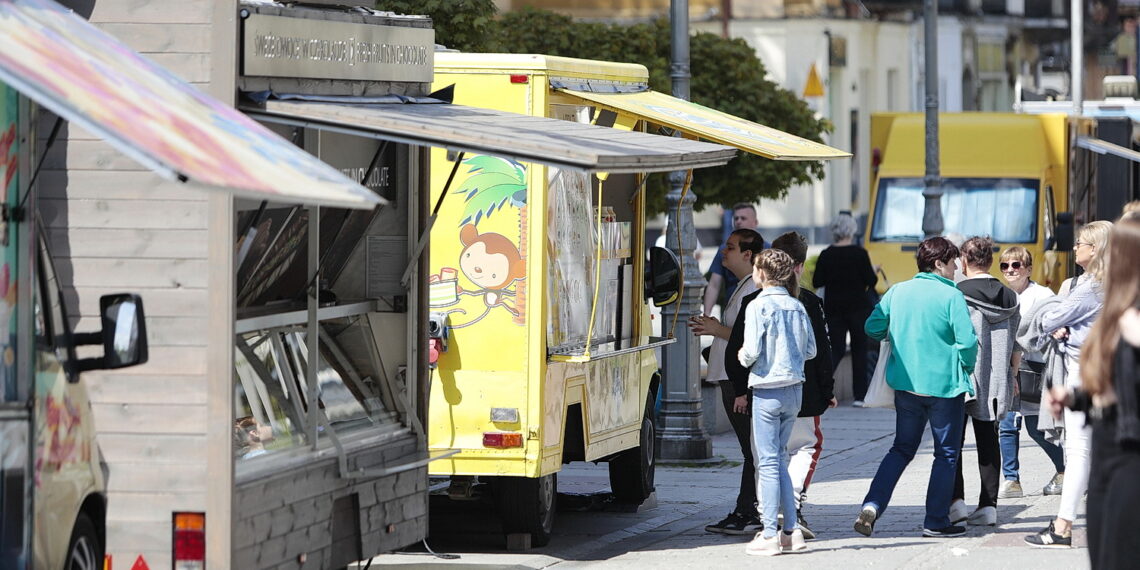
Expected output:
(538, 276)
(279, 420)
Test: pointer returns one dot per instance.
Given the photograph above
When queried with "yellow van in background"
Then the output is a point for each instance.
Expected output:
(1004, 176)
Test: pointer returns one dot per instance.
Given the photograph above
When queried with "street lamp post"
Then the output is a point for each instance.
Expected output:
(932, 182)
(682, 435)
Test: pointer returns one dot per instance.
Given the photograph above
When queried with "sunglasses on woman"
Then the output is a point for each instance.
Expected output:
(1015, 265)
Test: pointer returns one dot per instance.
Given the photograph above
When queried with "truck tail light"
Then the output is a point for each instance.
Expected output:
(518, 78)
(502, 440)
(189, 546)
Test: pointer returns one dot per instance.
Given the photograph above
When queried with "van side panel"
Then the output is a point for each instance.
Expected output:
(483, 277)
(505, 366)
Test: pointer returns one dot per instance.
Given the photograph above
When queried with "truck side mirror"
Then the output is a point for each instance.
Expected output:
(123, 335)
(663, 277)
(1063, 233)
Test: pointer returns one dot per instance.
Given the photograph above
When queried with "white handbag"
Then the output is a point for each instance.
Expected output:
(879, 393)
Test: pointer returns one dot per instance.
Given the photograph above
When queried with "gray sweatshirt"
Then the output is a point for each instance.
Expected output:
(994, 313)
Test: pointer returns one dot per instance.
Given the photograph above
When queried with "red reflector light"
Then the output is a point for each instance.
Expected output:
(502, 440)
(189, 545)
(520, 78)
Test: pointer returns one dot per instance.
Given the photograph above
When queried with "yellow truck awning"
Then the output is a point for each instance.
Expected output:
(88, 77)
(553, 142)
(703, 122)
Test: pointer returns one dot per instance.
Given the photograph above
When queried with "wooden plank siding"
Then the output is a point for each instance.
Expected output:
(113, 227)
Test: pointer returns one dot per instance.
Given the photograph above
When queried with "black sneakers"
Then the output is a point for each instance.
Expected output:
(944, 532)
(1049, 539)
(737, 524)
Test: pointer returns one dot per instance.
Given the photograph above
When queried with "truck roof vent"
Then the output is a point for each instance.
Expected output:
(1123, 86)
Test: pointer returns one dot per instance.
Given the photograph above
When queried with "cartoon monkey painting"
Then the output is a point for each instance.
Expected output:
(492, 262)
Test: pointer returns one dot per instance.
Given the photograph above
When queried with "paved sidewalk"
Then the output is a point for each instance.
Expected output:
(689, 496)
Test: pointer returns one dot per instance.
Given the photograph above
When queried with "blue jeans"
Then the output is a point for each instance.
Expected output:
(1008, 436)
(912, 413)
(1009, 441)
(773, 413)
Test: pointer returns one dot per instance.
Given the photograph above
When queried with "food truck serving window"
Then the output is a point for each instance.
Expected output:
(271, 384)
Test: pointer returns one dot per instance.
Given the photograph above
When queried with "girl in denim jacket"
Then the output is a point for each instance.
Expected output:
(778, 339)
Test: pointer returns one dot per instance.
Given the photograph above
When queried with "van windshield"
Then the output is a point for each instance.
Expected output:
(1003, 208)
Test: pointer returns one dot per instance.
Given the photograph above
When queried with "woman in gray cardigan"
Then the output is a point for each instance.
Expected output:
(994, 314)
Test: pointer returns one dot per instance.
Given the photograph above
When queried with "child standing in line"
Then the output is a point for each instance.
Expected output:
(778, 339)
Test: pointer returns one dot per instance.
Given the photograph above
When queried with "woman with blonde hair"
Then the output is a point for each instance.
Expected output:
(1110, 375)
(1070, 321)
(1016, 266)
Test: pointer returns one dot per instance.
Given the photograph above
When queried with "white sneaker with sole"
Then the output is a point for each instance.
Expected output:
(792, 542)
(985, 516)
(761, 546)
(865, 523)
(958, 511)
(1011, 489)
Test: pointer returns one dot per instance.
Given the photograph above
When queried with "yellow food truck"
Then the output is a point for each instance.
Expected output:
(538, 287)
(1004, 175)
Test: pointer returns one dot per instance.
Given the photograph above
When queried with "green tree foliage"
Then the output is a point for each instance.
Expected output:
(464, 25)
(726, 75)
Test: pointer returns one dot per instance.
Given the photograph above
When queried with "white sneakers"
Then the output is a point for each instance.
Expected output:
(958, 511)
(984, 516)
(761, 546)
(794, 542)
(779, 544)
(1011, 489)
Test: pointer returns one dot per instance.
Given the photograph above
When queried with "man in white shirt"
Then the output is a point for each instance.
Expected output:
(736, 257)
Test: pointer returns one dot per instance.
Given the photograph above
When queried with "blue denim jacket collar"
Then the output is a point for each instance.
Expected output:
(773, 290)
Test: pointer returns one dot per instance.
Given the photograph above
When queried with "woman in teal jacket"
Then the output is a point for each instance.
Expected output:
(933, 349)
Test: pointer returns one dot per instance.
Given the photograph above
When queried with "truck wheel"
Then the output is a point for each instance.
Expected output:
(632, 471)
(526, 505)
(84, 552)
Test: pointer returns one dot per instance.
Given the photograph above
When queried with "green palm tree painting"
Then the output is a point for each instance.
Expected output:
(493, 182)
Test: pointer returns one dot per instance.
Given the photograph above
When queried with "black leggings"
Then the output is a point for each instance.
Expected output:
(1114, 479)
(989, 463)
(742, 426)
(839, 323)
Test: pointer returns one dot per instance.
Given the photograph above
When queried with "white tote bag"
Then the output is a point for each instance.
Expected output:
(879, 393)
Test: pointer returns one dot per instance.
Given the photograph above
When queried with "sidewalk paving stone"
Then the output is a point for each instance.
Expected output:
(671, 534)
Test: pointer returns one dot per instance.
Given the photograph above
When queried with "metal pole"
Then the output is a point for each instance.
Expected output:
(312, 330)
(932, 182)
(682, 434)
(1077, 55)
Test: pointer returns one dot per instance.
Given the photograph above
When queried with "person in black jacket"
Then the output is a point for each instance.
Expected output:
(806, 442)
(848, 279)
